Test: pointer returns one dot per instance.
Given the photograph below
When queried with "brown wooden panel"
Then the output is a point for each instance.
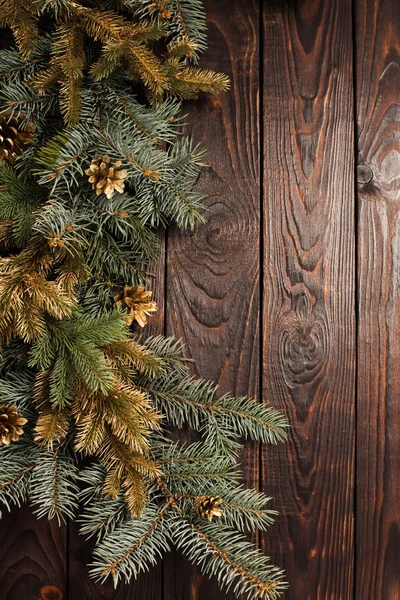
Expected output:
(308, 313)
(213, 273)
(32, 555)
(148, 586)
(377, 29)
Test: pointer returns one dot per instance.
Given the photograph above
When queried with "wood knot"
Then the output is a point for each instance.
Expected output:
(364, 174)
(303, 339)
(221, 235)
(51, 592)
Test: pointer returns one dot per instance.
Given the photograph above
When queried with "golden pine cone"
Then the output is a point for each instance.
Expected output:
(137, 302)
(208, 507)
(11, 422)
(106, 176)
(13, 137)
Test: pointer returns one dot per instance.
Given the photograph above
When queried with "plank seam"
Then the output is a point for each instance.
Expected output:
(261, 231)
(356, 289)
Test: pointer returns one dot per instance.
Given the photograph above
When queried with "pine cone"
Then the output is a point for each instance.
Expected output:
(137, 302)
(11, 423)
(106, 176)
(13, 137)
(208, 507)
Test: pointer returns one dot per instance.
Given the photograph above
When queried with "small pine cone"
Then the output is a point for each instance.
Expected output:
(137, 302)
(208, 507)
(11, 422)
(14, 138)
(106, 176)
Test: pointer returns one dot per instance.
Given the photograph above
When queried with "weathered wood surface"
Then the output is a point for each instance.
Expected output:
(309, 267)
(32, 555)
(377, 28)
(213, 274)
(264, 297)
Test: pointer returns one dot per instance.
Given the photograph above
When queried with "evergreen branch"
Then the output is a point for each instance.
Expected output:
(12, 480)
(78, 208)
(19, 16)
(18, 461)
(99, 24)
(193, 401)
(100, 515)
(147, 66)
(221, 552)
(133, 545)
(17, 387)
(54, 486)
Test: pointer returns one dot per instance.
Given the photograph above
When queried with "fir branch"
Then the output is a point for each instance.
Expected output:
(16, 388)
(133, 546)
(71, 349)
(222, 552)
(193, 469)
(59, 161)
(188, 82)
(26, 298)
(54, 486)
(20, 17)
(52, 425)
(190, 400)
(19, 201)
(71, 238)
(17, 460)
(100, 515)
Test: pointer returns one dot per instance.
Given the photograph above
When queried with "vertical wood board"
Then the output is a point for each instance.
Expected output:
(308, 301)
(213, 273)
(377, 44)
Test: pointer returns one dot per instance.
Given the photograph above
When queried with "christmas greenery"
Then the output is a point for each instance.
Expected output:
(92, 161)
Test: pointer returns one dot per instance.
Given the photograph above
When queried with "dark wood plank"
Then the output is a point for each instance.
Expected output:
(213, 273)
(308, 313)
(378, 410)
(148, 586)
(32, 556)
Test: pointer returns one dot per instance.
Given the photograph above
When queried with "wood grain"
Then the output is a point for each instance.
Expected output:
(378, 411)
(213, 273)
(32, 555)
(308, 299)
(300, 241)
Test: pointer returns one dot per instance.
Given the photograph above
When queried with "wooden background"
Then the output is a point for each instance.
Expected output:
(291, 292)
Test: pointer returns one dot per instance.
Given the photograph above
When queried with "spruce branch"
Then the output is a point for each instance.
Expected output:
(90, 126)
(52, 425)
(16, 388)
(26, 297)
(70, 349)
(19, 16)
(54, 485)
(194, 401)
(100, 514)
(19, 201)
(221, 552)
(17, 461)
(134, 545)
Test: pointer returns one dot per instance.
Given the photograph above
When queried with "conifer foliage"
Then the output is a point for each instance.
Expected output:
(92, 161)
